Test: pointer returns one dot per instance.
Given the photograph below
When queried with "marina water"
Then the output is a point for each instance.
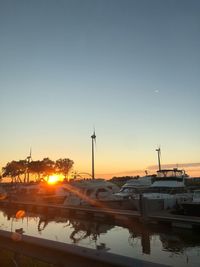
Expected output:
(171, 246)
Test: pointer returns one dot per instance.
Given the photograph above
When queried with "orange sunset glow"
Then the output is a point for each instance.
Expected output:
(54, 179)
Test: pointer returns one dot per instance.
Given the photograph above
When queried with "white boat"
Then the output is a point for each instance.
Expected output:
(90, 192)
(168, 180)
(169, 186)
(52, 194)
(40, 192)
(133, 187)
(23, 191)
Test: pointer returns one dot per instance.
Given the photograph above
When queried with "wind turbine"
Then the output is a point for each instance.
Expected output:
(93, 136)
(28, 159)
(159, 154)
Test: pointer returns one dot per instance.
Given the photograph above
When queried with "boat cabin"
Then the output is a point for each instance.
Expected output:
(169, 181)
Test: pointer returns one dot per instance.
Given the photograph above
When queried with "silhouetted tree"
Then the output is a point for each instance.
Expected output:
(36, 167)
(63, 166)
(41, 168)
(48, 167)
(15, 169)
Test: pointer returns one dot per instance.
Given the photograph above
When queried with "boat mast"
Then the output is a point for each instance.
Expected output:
(159, 165)
(93, 140)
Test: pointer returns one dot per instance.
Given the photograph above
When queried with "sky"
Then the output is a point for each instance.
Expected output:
(130, 69)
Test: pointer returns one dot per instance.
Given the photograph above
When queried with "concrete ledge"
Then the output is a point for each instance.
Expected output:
(69, 255)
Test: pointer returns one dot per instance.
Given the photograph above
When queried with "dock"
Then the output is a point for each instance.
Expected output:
(180, 221)
(146, 216)
(79, 211)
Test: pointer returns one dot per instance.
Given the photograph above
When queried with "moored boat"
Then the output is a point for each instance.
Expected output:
(133, 187)
(94, 192)
(169, 186)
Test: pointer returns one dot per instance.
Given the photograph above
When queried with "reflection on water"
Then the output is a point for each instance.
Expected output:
(174, 247)
(79, 229)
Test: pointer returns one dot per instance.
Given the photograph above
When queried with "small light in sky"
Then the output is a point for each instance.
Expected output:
(156, 91)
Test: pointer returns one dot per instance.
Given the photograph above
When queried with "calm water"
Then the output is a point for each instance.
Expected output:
(174, 247)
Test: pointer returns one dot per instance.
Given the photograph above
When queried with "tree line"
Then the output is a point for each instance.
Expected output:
(23, 170)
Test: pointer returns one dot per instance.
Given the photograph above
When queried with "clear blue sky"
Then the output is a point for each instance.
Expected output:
(131, 69)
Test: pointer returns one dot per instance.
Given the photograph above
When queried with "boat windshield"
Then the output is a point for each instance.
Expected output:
(170, 173)
(129, 190)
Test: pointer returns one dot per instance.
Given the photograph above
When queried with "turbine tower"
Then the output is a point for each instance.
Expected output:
(159, 152)
(28, 159)
(93, 140)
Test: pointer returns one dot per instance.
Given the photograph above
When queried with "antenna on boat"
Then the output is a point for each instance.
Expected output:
(159, 153)
(93, 140)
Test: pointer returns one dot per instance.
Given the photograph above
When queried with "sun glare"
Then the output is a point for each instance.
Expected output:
(54, 179)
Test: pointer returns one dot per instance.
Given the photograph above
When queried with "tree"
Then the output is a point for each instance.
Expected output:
(63, 166)
(36, 167)
(45, 168)
(48, 167)
(15, 169)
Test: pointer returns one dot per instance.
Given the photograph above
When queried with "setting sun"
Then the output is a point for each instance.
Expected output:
(54, 179)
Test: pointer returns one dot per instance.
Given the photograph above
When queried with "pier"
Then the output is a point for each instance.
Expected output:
(147, 213)
(79, 211)
(180, 221)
